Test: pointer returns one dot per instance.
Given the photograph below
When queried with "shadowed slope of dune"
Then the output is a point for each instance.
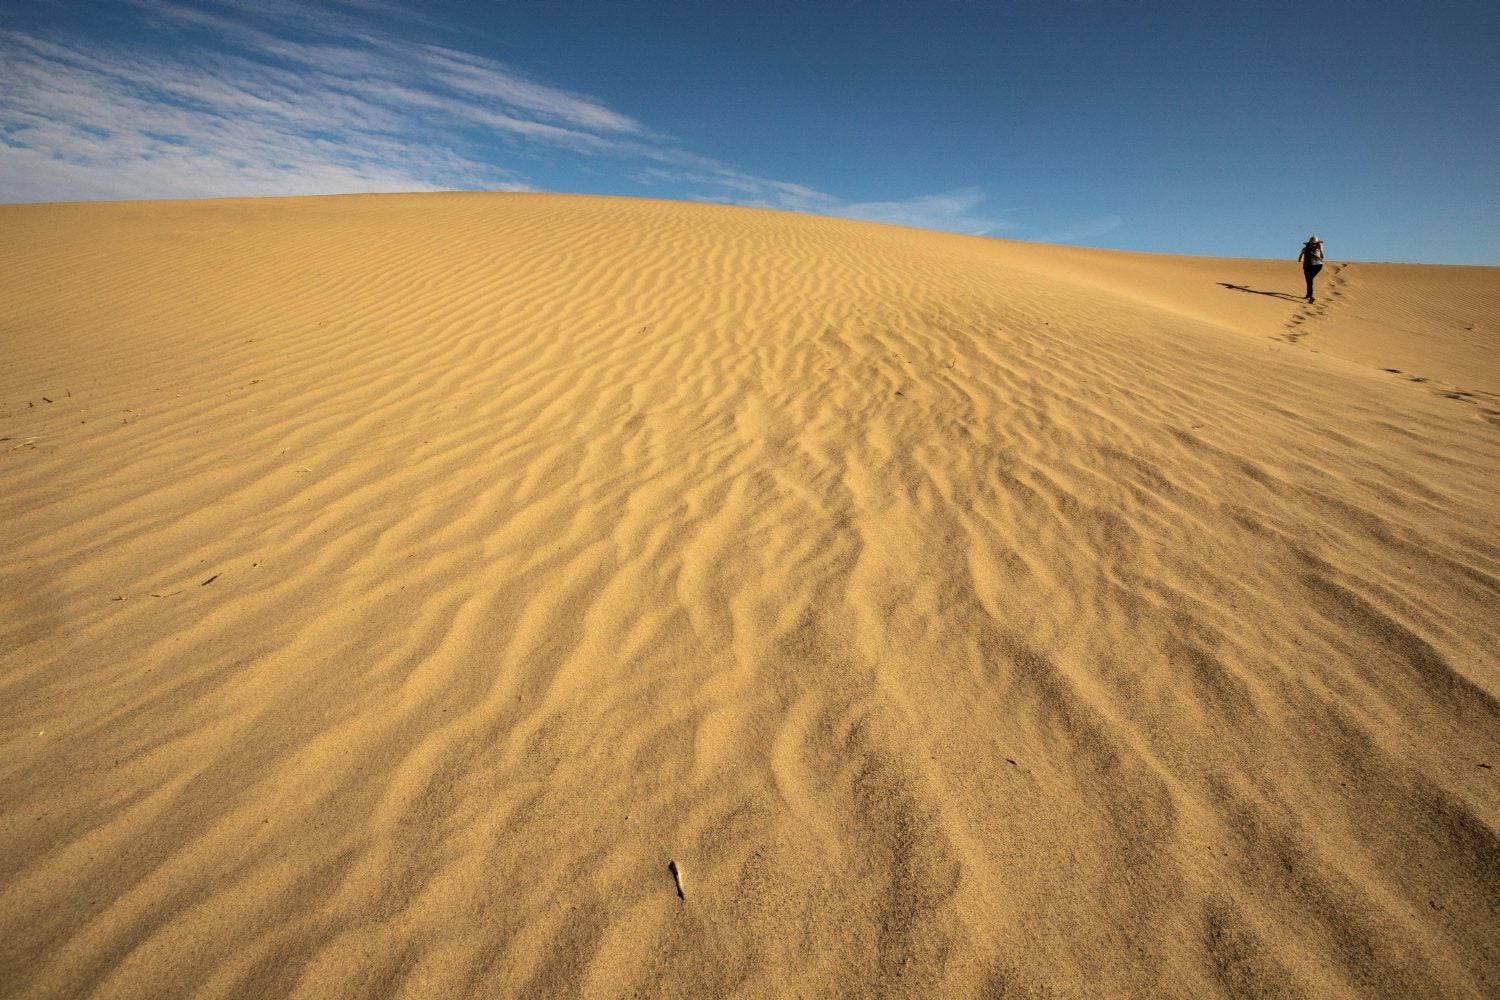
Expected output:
(395, 586)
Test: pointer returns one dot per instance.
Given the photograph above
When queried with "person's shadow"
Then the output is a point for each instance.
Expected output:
(1256, 291)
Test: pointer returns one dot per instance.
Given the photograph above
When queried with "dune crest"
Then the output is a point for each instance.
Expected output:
(501, 595)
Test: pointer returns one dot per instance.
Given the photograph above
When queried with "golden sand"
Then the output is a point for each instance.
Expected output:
(498, 595)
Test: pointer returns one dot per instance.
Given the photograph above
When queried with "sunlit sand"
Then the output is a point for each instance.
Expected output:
(498, 595)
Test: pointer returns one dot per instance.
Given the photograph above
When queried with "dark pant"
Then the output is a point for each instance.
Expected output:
(1310, 271)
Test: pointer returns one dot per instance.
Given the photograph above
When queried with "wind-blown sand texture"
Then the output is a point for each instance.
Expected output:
(409, 595)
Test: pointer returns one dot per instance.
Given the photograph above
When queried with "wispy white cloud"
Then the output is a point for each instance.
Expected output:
(1090, 229)
(950, 210)
(238, 107)
(276, 97)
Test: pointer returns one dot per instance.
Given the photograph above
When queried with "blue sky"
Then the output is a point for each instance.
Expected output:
(1231, 129)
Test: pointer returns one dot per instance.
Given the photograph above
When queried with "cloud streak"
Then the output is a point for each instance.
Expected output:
(1090, 229)
(951, 210)
(236, 109)
(282, 98)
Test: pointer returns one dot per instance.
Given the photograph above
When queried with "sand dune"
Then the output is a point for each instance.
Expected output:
(394, 587)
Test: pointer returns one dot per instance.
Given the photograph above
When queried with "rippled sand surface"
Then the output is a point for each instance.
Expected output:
(502, 595)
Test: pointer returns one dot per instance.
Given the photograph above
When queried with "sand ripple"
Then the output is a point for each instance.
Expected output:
(394, 586)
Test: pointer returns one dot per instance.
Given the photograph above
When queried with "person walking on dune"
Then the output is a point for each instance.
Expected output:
(1312, 262)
